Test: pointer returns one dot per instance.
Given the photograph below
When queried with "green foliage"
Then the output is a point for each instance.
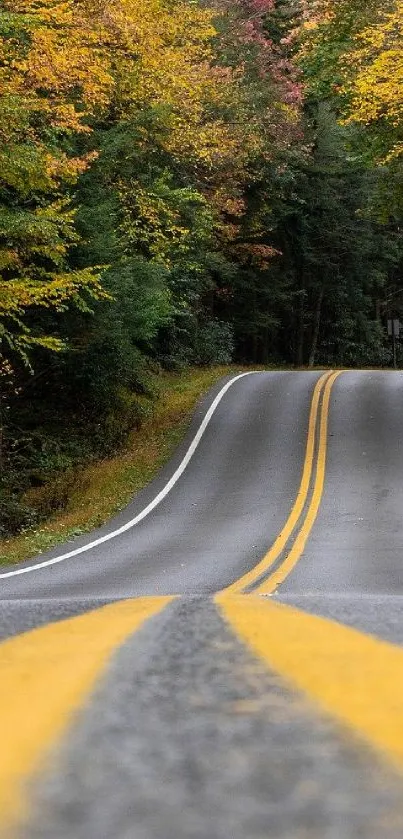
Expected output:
(214, 343)
(182, 184)
(37, 168)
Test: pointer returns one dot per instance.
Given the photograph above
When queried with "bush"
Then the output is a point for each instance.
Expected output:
(54, 495)
(214, 343)
(15, 516)
(127, 412)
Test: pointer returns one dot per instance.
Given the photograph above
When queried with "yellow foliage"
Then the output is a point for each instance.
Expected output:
(70, 63)
(376, 89)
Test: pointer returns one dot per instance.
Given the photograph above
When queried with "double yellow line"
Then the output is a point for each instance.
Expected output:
(303, 515)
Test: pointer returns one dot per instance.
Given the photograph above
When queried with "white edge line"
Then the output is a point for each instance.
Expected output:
(152, 505)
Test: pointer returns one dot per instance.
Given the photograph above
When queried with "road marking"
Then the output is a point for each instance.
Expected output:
(45, 677)
(272, 555)
(274, 580)
(352, 676)
(152, 505)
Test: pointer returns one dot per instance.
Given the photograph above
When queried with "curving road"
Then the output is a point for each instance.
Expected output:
(356, 546)
(219, 517)
(248, 686)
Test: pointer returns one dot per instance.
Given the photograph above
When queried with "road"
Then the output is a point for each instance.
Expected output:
(223, 658)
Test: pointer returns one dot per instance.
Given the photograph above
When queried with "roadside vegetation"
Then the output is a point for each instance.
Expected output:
(183, 186)
(81, 498)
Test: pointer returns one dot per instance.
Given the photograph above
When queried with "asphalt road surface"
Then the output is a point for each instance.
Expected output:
(224, 658)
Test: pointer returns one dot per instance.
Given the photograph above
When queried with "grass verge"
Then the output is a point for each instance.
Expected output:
(106, 486)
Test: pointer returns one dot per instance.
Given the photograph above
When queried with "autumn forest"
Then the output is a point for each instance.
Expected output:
(186, 183)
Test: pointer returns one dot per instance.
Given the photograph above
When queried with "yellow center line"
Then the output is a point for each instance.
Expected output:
(351, 676)
(278, 546)
(45, 677)
(270, 584)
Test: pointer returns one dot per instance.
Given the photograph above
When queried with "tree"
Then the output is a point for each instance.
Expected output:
(44, 57)
(374, 84)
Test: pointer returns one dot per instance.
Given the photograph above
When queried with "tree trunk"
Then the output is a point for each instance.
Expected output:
(255, 342)
(299, 355)
(265, 345)
(316, 327)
